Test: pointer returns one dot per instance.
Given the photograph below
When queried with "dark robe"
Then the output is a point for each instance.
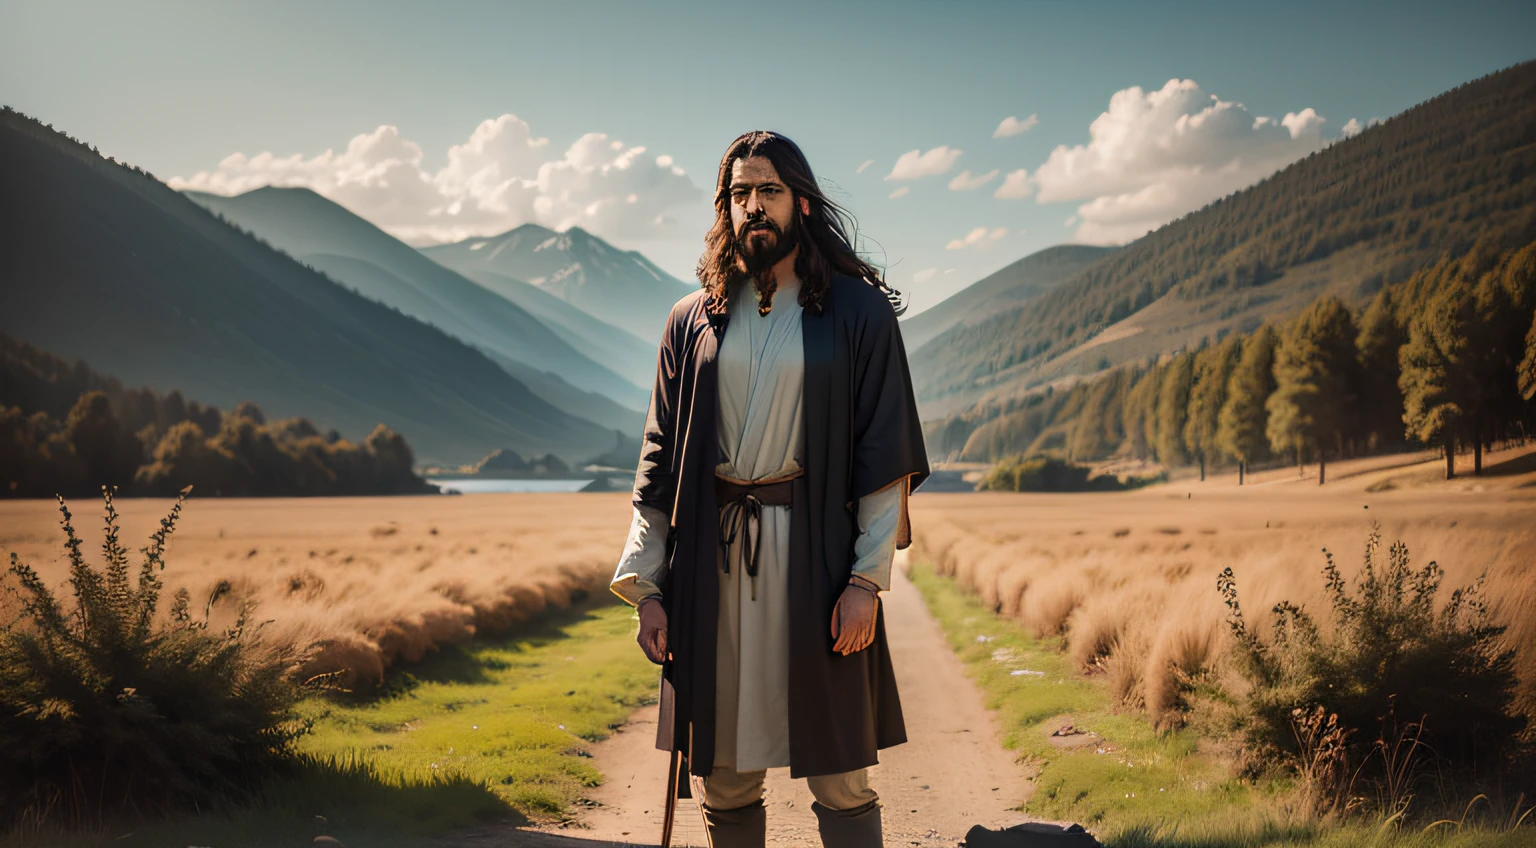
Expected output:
(861, 434)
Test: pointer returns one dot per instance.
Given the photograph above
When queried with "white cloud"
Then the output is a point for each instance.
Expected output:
(1156, 155)
(1013, 126)
(1071, 219)
(901, 192)
(963, 181)
(1354, 127)
(924, 275)
(500, 177)
(915, 165)
(978, 237)
(1015, 186)
(865, 164)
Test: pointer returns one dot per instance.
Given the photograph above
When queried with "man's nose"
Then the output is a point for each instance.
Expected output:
(753, 202)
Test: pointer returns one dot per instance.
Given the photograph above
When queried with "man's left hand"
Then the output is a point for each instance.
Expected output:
(853, 620)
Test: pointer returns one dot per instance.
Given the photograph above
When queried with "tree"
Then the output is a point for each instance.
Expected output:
(1172, 405)
(1528, 365)
(1240, 427)
(1140, 404)
(1439, 382)
(1314, 379)
(1381, 401)
(111, 452)
(1213, 368)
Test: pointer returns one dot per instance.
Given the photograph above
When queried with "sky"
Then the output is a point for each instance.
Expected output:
(961, 136)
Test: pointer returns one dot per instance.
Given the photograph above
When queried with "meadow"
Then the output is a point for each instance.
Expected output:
(370, 581)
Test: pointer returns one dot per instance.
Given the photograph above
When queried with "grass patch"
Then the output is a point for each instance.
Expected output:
(489, 732)
(1132, 785)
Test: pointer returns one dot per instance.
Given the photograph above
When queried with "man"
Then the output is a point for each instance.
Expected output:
(780, 447)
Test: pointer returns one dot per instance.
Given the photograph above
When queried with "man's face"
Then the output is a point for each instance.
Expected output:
(762, 213)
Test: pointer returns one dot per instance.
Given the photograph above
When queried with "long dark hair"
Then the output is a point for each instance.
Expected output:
(825, 247)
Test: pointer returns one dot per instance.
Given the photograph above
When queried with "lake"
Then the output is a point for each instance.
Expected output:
(480, 486)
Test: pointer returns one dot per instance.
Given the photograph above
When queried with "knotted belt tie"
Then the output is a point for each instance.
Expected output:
(741, 505)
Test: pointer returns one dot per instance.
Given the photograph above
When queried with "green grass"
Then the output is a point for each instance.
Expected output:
(485, 733)
(1134, 786)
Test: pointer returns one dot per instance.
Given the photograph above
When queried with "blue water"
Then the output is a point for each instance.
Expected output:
(476, 486)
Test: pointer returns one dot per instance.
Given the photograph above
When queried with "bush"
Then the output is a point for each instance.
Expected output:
(1049, 474)
(105, 710)
(1392, 673)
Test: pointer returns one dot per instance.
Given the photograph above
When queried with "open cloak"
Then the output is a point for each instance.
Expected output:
(862, 433)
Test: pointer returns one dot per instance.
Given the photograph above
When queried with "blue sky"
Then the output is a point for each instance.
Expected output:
(179, 88)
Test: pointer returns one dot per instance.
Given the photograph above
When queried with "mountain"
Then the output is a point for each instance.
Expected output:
(620, 287)
(618, 349)
(1008, 287)
(104, 263)
(1367, 211)
(363, 257)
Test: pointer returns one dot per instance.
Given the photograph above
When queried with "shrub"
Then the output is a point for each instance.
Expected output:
(1049, 474)
(1389, 656)
(107, 708)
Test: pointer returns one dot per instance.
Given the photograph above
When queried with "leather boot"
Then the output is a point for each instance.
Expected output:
(855, 828)
(737, 827)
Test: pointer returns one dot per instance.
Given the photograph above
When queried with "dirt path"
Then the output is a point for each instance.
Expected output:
(951, 774)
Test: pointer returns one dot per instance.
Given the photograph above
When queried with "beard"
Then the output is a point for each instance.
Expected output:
(756, 255)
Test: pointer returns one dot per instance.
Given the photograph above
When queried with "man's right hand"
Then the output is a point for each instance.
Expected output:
(653, 630)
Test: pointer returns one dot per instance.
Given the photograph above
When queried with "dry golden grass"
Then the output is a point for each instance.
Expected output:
(376, 580)
(1130, 577)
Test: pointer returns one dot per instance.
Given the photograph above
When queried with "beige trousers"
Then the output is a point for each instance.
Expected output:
(726, 789)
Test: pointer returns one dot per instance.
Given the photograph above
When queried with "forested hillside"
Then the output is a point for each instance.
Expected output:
(1446, 358)
(1392, 200)
(109, 265)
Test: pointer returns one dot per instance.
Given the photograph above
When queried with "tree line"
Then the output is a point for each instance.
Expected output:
(68, 430)
(1445, 359)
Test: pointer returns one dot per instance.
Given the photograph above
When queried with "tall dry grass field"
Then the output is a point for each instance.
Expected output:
(373, 580)
(1130, 577)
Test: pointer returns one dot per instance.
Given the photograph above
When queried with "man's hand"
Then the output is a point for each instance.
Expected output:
(853, 619)
(653, 630)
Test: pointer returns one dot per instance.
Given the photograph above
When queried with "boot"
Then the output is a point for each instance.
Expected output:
(855, 828)
(738, 827)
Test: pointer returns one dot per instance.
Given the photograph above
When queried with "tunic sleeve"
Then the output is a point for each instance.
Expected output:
(643, 563)
(887, 433)
(875, 546)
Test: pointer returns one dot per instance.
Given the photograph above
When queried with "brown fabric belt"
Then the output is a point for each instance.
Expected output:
(741, 505)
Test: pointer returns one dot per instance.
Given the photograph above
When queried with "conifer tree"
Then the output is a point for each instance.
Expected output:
(1528, 365)
(1172, 406)
(1213, 368)
(1381, 401)
(1314, 382)
(1438, 380)
(1240, 428)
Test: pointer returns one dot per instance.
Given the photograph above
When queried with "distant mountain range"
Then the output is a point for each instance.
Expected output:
(1439, 179)
(106, 264)
(358, 254)
(620, 287)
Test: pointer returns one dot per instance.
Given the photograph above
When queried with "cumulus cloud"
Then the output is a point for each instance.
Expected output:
(901, 192)
(502, 176)
(865, 164)
(1014, 126)
(1156, 155)
(963, 181)
(915, 165)
(1015, 186)
(1354, 127)
(924, 275)
(979, 237)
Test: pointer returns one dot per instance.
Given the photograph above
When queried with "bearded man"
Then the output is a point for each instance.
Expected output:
(769, 500)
